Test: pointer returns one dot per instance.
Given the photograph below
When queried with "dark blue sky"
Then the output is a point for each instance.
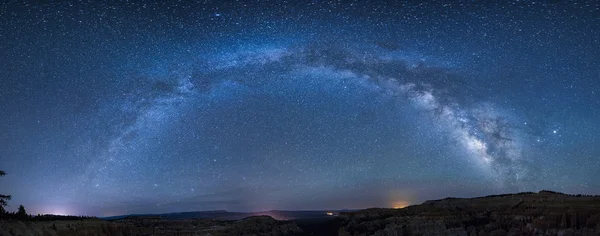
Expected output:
(145, 107)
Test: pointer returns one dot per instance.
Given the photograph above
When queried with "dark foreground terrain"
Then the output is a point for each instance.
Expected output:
(543, 213)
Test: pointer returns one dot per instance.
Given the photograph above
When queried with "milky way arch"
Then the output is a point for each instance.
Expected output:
(485, 133)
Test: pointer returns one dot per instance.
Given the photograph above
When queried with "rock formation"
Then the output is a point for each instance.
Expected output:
(543, 213)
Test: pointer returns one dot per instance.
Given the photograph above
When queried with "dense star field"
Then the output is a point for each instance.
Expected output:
(150, 107)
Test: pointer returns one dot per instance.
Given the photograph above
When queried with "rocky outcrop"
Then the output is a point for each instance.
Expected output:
(544, 213)
(261, 225)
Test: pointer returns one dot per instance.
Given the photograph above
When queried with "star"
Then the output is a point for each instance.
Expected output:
(301, 106)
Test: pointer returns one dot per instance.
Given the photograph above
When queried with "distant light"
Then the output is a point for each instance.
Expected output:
(329, 213)
(59, 212)
(217, 14)
(400, 204)
(554, 131)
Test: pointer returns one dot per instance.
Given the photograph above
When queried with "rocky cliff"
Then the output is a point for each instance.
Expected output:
(543, 213)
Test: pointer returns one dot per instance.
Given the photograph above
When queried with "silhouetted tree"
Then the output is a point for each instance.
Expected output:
(22, 214)
(3, 198)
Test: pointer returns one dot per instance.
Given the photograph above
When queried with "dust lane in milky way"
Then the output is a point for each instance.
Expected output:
(145, 107)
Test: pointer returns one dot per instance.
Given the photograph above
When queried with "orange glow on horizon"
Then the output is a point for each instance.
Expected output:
(400, 204)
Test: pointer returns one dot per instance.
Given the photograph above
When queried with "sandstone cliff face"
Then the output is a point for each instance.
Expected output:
(260, 225)
(544, 213)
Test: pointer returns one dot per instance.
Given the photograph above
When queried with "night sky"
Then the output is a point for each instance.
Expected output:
(144, 107)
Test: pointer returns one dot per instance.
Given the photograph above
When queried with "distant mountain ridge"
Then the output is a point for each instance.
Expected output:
(226, 215)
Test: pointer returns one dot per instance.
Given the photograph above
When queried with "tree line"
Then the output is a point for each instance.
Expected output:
(21, 213)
